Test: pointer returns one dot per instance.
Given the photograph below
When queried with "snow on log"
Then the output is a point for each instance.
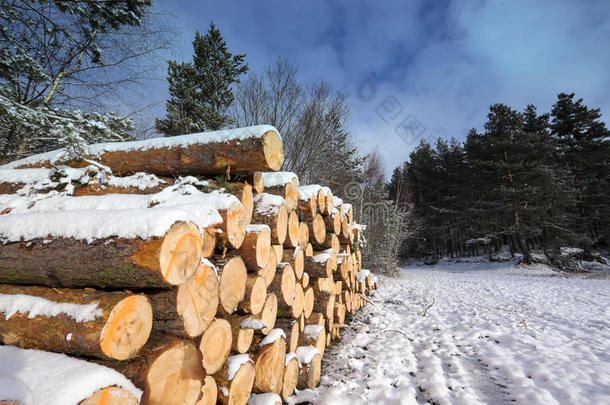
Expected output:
(284, 184)
(235, 380)
(110, 261)
(188, 309)
(240, 150)
(291, 375)
(310, 362)
(38, 377)
(320, 265)
(291, 330)
(168, 370)
(108, 325)
(314, 335)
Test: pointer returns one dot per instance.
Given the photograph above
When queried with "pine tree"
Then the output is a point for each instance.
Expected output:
(201, 91)
(584, 149)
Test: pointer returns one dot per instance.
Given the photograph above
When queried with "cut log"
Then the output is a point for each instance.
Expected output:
(286, 191)
(314, 335)
(330, 242)
(271, 210)
(241, 150)
(309, 250)
(307, 208)
(208, 239)
(269, 359)
(108, 325)
(256, 293)
(215, 345)
(168, 370)
(308, 301)
(299, 301)
(242, 328)
(310, 367)
(305, 277)
(319, 266)
(111, 262)
(235, 380)
(344, 234)
(268, 314)
(110, 396)
(291, 375)
(291, 330)
(329, 201)
(325, 304)
(283, 284)
(316, 318)
(279, 252)
(339, 313)
(233, 227)
(188, 309)
(296, 258)
(292, 237)
(268, 272)
(333, 223)
(317, 230)
(243, 191)
(209, 392)
(232, 288)
(255, 248)
(303, 235)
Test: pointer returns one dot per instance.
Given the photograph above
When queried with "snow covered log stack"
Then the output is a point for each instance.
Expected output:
(184, 270)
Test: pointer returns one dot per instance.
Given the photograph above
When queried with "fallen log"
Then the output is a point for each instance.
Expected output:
(108, 262)
(333, 223)
(255, 179)
(188, 309)
(279, 252)
(331, 241)
(241, 150)
(108, 325)
(233, 227)
(242, 329)
(235, 380)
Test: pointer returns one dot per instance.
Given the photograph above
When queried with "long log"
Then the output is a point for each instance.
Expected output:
(108, 325)
(109, 262)
(168, 370)
(319, 265)
(255, 179)
(331, 241)
(188, 309)
(235, 380)
(269, 358)
(333, 222)
(242, 329)
(215, 345)
(241, 150)
(271, 210)
(307, 207)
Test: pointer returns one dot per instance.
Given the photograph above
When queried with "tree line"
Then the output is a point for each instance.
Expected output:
(527, 181)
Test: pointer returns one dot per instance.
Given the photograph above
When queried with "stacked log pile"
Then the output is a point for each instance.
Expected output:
(190, 265)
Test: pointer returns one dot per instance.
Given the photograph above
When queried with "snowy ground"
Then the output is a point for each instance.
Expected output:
(473, 333)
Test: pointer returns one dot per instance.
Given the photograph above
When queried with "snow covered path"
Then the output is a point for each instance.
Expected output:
(474, 333)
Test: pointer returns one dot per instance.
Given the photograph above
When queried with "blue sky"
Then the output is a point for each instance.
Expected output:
(430, 68)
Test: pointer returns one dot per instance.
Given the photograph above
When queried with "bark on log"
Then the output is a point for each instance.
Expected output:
(291, 329)
(188, 309)
(307, 208)
(111, 262)
(256, 247)
(215, 345)
(325, 304)
(235, 390)
(193, 154)
(108, 325)
(332, 223)
(330, 242)
(255, 179)
(168, 370)
(319, 266)
(288, 192)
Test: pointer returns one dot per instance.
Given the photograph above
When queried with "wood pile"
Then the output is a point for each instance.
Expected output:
(190, 265)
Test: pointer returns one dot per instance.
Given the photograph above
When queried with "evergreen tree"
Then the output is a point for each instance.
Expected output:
(584, 149)
(201, 91)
